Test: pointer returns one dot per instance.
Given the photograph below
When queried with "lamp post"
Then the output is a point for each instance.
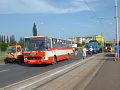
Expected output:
(117, 36)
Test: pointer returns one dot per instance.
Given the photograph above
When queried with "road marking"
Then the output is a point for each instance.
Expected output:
(5, 70)
(3, 64)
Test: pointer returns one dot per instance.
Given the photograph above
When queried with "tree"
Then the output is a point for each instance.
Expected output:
(21, 42)
(3, 46)
(0, 38)
(4, 38)
(93, 41)
(12, 40)
(34, 30)
(7, 39)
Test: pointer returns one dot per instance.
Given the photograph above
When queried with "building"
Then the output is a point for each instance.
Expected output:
(99, 38)
(80, 39)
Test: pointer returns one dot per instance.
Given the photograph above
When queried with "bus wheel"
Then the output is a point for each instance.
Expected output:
(54, 61)
(68, 56)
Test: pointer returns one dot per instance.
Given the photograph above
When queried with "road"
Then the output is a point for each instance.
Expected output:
(12, 73)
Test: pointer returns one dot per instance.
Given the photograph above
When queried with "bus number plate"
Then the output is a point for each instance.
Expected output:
(32, 61)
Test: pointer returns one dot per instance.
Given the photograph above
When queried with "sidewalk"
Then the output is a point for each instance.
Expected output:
(108, 77)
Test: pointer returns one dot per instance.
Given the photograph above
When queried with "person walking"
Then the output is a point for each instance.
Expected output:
(76, 51)
(116, 52)
(91, 50)
(84, 52)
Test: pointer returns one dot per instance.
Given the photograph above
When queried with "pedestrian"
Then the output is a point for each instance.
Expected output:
(106, 49)
(116, 52)
(76, 51)
(91, 50)
(100, 50)
(84, 52)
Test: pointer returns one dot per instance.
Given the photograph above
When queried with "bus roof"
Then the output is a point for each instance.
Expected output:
(45, 36)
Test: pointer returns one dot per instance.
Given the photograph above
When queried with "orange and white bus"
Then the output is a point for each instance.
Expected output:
(45, 50)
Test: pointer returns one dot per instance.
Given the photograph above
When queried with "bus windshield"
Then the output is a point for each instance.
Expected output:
(34, 44)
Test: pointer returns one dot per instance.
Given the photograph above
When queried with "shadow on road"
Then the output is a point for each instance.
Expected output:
(110, 55)
(34, 65)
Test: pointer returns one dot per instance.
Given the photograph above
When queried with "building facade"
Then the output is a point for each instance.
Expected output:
(80, 39)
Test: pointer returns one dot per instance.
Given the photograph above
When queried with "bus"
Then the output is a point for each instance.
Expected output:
(46, 50)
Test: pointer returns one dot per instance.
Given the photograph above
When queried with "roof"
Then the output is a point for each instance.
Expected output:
(45, 36)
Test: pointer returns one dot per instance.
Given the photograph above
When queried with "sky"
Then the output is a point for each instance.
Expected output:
(58, 18)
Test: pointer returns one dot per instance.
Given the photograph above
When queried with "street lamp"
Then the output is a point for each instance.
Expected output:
(117, 36)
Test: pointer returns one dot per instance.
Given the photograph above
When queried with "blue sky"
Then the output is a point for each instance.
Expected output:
(58, 18)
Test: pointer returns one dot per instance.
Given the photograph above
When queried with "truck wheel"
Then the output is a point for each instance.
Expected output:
(54, 61)
(19, 61)
(6, 61)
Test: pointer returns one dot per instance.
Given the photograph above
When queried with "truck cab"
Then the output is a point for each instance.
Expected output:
(94, 46)
(14, 54)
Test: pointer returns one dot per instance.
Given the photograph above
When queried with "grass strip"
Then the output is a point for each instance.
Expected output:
(2, 59)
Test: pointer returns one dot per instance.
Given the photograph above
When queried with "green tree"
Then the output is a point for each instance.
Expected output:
(7, 40)
(12, 40)
(34, 30)
(0, 38)
(4, 38)
(93, 41)
(21, 42)
(3, 46)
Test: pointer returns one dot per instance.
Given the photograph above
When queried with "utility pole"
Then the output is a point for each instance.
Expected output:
(117, 36)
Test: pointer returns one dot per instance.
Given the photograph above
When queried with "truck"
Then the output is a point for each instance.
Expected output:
(94, 46)
(108, 46)
(14, 54)
(74, 45)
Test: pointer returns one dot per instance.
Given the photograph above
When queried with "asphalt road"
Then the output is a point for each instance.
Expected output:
(11, 73)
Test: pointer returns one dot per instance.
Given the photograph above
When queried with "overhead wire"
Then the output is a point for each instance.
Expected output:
(96, 17)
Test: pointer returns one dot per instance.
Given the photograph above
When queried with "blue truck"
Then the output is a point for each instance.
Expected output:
(94, 46)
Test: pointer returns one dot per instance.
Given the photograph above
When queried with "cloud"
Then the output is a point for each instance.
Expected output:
(43, 6)
(41, 23)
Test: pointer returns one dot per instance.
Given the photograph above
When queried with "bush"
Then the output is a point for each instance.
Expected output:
(3, 46)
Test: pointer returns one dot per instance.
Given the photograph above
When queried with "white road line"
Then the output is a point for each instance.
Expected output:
(5, 70)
